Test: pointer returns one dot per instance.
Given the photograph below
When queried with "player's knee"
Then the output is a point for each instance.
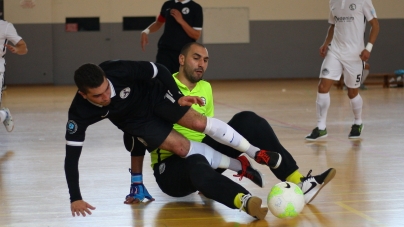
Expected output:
(196, 158)
(128, 141)
(246, 115)
(352, 93)
(198, 166)
(324, 85)
(322, 89)
(179, 148)
(199, 124)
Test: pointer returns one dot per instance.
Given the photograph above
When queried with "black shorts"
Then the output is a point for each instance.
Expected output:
(154, 129)
(168, 58)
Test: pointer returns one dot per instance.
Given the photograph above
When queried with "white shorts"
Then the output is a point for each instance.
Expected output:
(332, 68)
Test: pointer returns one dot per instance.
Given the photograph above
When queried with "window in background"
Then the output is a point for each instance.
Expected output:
(82, 24)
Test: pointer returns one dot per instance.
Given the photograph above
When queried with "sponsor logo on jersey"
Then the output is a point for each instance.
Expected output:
(325, 72)
(344, 19)
(185, 10)
(142, 141)
(204, 100)
(124, 93)
(352, 6)
(71, 127)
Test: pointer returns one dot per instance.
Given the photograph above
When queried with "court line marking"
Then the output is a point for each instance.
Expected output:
(357, 212)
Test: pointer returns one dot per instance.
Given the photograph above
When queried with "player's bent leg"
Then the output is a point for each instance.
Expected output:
(138, 191)
(218, 130)
(259, 132)
(221, 189)
(176, 143)
(172, 176)
(252, 206)
(179, 177)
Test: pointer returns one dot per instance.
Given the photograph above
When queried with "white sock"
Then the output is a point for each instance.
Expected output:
(3, 116)
(215, 159)
(223, 133)
(252, 150)
(322, 103)
(235, 165)
(356, 104)
(364, 75)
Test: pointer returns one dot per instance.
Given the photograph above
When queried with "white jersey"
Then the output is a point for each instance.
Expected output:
(349, 18)
(7, 33)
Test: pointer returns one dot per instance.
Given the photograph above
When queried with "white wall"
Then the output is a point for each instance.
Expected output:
(112, 11)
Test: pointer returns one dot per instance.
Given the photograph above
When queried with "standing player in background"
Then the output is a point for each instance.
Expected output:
(345, 53)
(179, 177)
(183, 21)
(8, 33)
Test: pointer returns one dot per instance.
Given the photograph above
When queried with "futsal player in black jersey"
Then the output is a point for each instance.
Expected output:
(142, 99)
(182, 21)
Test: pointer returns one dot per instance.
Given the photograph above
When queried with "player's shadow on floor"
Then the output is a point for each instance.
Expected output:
(356, 145)
(191, 213)
(3, 158)
(318, 146)
(318, 215)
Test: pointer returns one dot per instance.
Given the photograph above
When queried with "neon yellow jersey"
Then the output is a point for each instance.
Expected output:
(204, 91)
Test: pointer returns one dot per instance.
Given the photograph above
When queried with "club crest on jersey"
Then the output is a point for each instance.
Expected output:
(71, 126)
(185, 10)
(204, 100)
(142, 141)
(325, 72)
(352, 6)
(124, 93)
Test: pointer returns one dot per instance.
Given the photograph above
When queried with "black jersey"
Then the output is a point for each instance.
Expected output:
(134, 96)
(131, 95)
(174, 37)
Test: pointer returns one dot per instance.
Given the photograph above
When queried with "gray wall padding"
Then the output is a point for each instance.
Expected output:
(277, 49)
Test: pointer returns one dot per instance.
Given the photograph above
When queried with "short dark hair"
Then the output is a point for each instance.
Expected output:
(187, 46)
(88, 76)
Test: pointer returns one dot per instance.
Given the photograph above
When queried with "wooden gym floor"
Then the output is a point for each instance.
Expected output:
(367, 191)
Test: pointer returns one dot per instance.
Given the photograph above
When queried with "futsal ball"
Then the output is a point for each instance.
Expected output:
(285, 200)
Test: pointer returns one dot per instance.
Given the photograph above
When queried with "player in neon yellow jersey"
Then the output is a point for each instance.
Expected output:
(174, 174)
